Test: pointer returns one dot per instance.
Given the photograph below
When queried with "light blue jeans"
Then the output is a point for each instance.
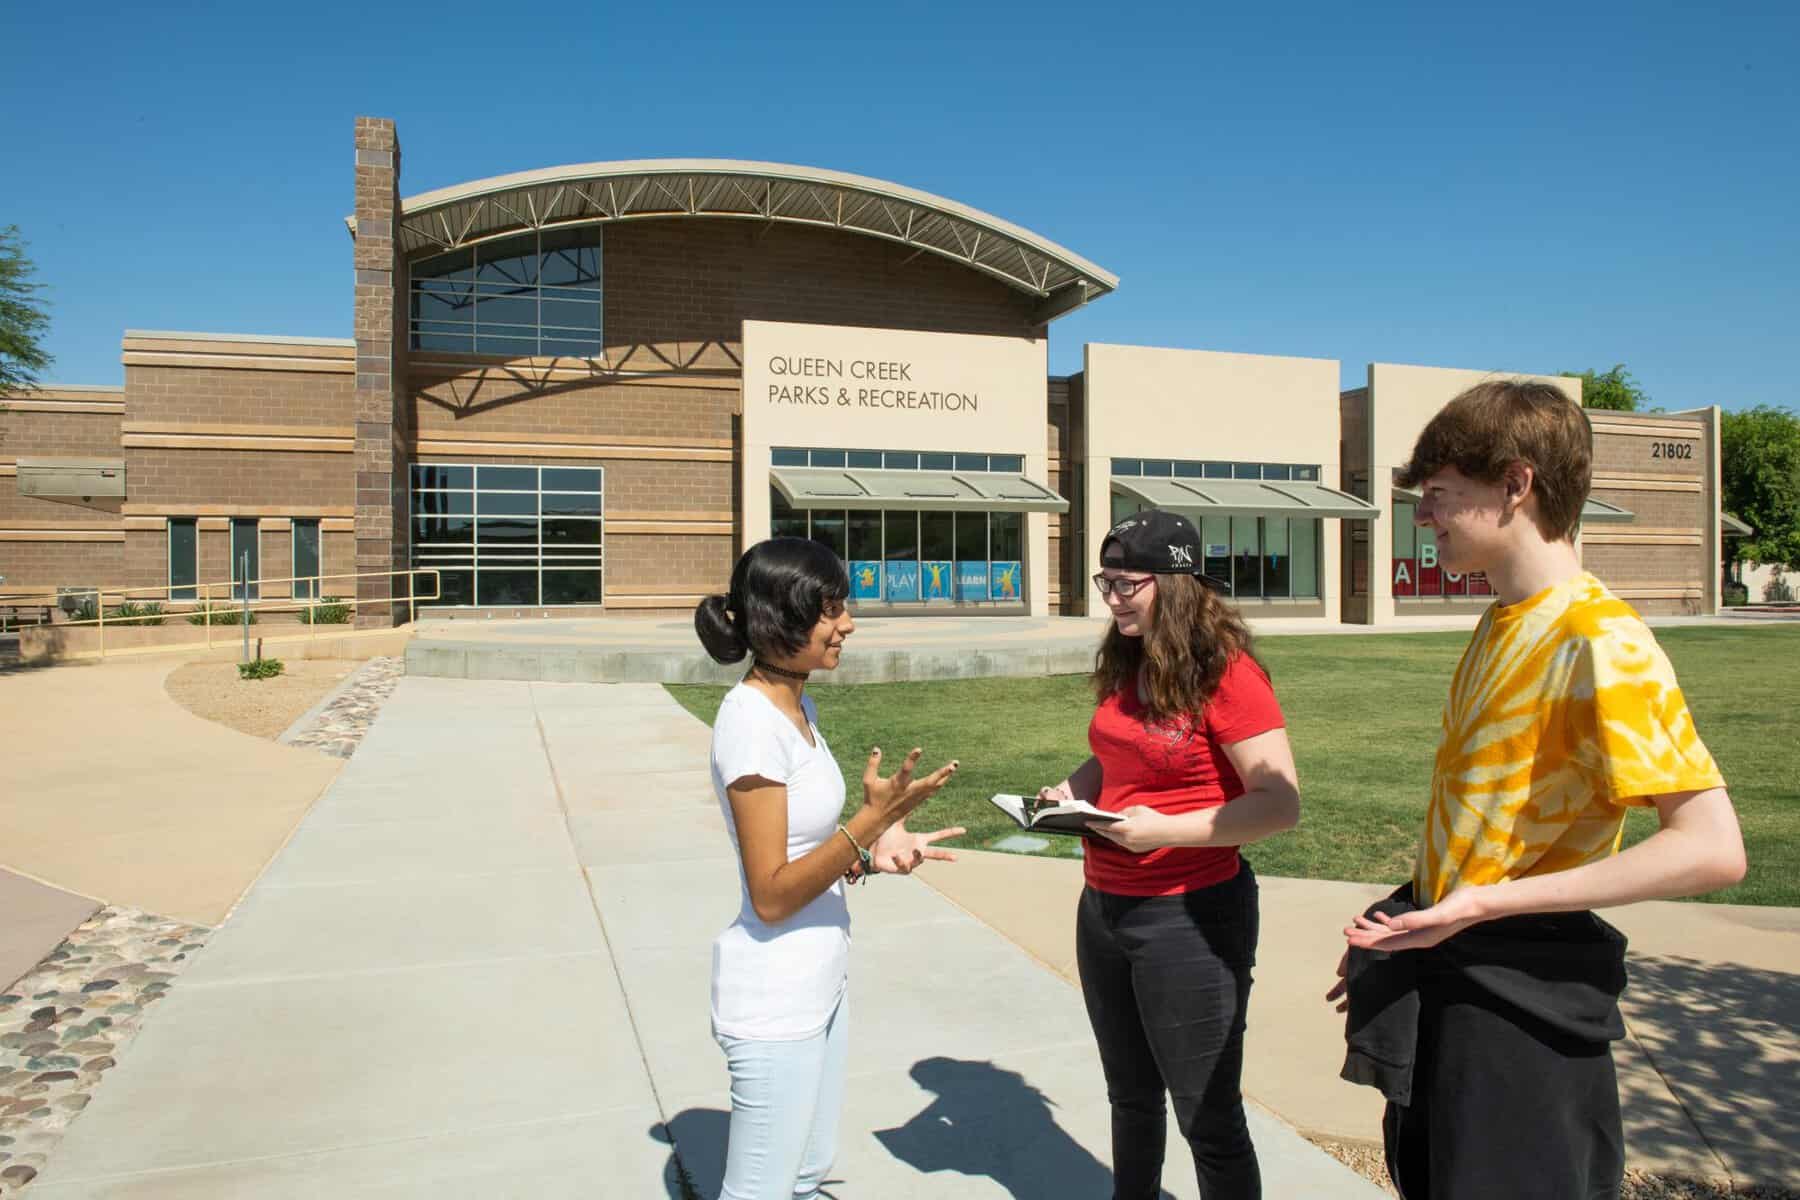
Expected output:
(786, 1098)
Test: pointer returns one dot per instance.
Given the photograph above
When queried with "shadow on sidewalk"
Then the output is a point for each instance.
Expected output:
(1724, 1037)
(986, 1121)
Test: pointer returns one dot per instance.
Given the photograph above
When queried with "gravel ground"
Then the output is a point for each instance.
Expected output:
(259, 707)
(1367, 1160)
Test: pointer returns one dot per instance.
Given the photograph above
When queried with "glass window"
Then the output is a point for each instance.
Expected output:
(443, 531)
(506, 531)
(1007, 530)
(827, 458)
(561, 504)
(1127, 466)
(306, 560)
(431, 476)
(1303, 544)
(506, 504)
(1215, 544)
(971, 462)
(1431, 575)
(971, 536)
(508, 479)
(184, 559)
(1246, 559)
(901, 460)
(571, 587)
(500, 587)
(901, 533)
(533, 294)
(1160, 468)
(1187, 470)
(865, 534)
(246, 567)
(937, 462)
(1215, 470)
(784, 519)
(865, 458)
(1014, 463)
(828, 529)
(444, 504)
(1277, 471)
(787, 458)
(1277, 559)
(571, 479)
(1124, 506)
(1246, 470)
(1404, 540)
(1307, 473)
(454, 587)
(937, 536)
(571, 531)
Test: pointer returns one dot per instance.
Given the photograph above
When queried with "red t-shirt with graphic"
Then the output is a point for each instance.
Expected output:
(1174, 766)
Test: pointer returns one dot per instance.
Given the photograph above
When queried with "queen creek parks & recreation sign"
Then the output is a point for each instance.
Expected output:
(858, 383)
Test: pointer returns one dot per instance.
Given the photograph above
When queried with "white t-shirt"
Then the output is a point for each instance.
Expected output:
(779, 982)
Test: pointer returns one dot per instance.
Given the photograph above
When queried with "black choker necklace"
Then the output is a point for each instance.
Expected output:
(759, 665)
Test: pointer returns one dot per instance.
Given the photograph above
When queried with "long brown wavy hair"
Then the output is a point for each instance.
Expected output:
(1194, 634)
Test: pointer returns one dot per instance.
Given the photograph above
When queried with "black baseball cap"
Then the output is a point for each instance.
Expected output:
(1160, 542)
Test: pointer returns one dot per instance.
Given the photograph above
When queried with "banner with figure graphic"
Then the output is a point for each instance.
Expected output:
(937, 578)
(865, 580)
(1003, 581)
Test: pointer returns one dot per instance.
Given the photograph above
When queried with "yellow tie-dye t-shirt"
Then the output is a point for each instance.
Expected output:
(1563, 712)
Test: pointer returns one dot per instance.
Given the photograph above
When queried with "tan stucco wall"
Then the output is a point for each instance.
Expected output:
(1007, 376)
(1401, 400)
(1150, 402)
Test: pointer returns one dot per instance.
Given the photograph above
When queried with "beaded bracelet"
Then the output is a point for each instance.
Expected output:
(867, 860)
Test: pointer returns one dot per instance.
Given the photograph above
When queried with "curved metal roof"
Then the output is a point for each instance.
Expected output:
(704, 187)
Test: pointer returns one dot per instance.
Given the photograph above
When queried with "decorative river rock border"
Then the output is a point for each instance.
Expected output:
(339, 727)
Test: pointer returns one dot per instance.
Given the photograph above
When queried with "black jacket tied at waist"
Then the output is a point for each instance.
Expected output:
(1557, 974)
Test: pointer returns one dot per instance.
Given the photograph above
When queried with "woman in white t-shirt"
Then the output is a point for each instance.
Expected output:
(780, 969)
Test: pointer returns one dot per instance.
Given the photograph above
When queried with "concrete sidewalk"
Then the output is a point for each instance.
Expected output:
(481, 966)
(1709, 1070)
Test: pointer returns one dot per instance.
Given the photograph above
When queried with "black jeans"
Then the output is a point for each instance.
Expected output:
(1167, 983)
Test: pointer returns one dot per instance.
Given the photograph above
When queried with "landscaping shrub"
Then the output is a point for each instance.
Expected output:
(260, 668)
(222, 616)
(132, 612)
(330, 611)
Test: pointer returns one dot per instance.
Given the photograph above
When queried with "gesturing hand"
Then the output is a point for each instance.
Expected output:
(900, 793)
(1422, 928)
(1340, 991)
(900, 851)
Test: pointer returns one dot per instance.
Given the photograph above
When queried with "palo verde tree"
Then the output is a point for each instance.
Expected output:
(23, 320)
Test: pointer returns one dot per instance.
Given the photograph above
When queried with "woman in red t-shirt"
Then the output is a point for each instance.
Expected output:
(1189, 745)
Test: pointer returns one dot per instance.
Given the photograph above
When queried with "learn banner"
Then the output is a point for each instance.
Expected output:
(972, 579)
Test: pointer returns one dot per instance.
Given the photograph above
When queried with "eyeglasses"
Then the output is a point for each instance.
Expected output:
(1124, 588)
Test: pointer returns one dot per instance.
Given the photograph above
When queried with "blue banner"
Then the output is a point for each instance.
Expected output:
(902, 582)
(1004, 581)
(937, 577)
(865, 579)
(972, 579)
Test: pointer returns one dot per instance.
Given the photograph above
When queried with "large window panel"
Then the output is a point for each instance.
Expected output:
(246, 564)
(1246, 559)
(536, 294)
(828, 529)
(1303, 544)
(184, 559)
(1215, 544)
(784, 519)
(502, 534)
(1277, 558)
(306, 560)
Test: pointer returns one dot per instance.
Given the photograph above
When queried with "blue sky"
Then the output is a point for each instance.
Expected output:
(1520, 187)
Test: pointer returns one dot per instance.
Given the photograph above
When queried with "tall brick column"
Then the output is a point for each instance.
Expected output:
(381, 484)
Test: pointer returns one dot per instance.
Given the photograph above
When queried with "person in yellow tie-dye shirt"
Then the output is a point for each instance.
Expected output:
(1497, 1001)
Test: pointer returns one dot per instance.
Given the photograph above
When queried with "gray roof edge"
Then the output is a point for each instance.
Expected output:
(787, 172)
(278, 339)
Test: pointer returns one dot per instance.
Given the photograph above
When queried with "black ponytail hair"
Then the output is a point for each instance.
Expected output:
(779, 590)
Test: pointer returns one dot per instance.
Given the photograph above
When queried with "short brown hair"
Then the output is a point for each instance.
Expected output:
(1505, 421)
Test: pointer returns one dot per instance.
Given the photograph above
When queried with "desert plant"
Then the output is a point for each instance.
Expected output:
(1778, 590)
(259, 668)
(87, 610)
(330, 611)
(133, 612)
(222, 616)
(1734, 595)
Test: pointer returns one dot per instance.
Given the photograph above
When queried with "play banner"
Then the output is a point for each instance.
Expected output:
(902, 582)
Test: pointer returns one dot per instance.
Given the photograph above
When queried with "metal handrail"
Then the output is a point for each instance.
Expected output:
(205, 602)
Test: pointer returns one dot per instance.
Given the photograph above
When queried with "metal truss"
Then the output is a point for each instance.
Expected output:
(767, 192)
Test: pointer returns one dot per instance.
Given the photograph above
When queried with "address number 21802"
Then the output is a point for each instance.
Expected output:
(1671, 449)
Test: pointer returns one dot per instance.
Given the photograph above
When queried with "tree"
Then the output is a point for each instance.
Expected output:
(1614, 389)
(1759, 449)
(22, 317)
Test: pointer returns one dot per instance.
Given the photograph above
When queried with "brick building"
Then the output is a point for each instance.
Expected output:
(584, 389)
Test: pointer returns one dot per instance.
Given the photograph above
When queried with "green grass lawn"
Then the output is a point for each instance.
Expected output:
(1363, 715)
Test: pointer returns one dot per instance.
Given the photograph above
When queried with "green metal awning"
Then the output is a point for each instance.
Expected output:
(1592, 511)
(1245, 497)
(926, 491)
(1734, 527)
